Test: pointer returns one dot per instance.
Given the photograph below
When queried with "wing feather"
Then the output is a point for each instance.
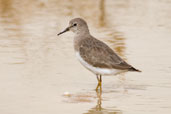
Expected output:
(100, 55)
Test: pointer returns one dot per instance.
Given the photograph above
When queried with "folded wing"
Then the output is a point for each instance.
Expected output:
(100, 55)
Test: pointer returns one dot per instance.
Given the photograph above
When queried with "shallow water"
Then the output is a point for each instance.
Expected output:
(39, 73)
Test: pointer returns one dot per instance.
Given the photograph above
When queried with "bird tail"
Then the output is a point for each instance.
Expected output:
(134, 69)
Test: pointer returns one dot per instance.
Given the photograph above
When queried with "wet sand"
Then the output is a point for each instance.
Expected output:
(39, 73)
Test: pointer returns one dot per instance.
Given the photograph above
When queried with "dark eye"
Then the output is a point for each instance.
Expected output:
(75, 24)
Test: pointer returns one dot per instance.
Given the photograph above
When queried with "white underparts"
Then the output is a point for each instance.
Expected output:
(96, 70)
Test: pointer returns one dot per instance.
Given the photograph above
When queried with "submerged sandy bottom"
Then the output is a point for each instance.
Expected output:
(39, 73)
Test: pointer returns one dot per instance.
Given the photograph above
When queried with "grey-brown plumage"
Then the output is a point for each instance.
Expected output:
(98, 54)
(95, 55)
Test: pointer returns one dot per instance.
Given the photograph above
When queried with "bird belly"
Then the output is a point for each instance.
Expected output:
(97, 70)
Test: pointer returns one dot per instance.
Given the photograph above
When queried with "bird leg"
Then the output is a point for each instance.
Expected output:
(99, 82)
(100, 78)
(97, 78)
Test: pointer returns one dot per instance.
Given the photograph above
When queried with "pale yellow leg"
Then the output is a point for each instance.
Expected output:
(99, 83)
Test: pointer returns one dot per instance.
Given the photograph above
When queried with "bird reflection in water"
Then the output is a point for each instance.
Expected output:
(98, 109)
(89, 98)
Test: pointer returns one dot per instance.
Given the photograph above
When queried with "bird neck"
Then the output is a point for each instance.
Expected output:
(79, 38)
(82, 32)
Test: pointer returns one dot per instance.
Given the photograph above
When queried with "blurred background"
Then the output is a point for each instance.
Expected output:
(39, 73)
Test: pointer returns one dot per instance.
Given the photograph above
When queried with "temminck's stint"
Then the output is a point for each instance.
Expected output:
(95, 55)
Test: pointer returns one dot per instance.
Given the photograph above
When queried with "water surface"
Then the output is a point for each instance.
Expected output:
(39, 73)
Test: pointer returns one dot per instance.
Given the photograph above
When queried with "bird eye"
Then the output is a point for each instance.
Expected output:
(75, 24)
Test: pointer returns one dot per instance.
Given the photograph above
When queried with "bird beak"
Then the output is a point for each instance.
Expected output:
(66, 30)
